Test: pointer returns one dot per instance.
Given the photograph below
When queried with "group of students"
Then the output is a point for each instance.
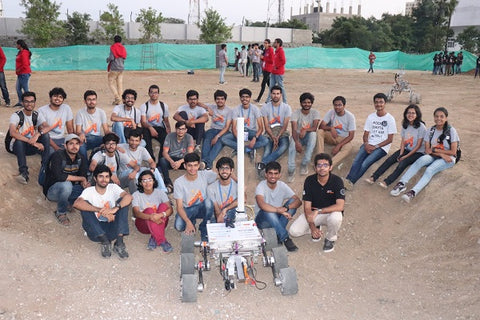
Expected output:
(447, 63)
(119, 156)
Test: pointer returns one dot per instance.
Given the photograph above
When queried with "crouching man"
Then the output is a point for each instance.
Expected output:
(104, 210)
(323, 202)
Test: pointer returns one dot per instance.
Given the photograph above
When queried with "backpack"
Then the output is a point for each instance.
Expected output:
(21, 115)
(102, 149)
(446, 136)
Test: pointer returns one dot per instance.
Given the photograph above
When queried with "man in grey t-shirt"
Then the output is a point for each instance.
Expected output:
(276, 204)
(195, 116)
(191, 197)
(337, 129)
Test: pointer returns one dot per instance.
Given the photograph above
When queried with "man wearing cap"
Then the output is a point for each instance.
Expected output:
(65, 177)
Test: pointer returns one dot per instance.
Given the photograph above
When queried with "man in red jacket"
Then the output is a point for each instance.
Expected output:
(3, 84)
(267, 66)
(279, 61)
(115, 68)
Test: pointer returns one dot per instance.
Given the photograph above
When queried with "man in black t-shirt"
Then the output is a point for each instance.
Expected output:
(323, 203)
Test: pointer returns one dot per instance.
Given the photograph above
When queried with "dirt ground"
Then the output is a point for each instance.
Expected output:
(392, 260)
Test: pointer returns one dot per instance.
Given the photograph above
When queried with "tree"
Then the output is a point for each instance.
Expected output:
(213, 28)
(41, 23)
(292, 23)
(173, 20)
(77, 29)
(111, 23)
(469, 39)
(150, 24)
(249, 23)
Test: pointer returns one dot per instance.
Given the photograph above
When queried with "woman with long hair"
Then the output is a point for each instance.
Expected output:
(411, 147)
(22, 69)
(152, 209)
(441, 144)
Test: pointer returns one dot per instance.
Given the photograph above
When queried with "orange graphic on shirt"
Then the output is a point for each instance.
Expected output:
(198, 196)
(155, 117)
(57, 124)
(305, 125)
(275, 120)
(247, 122)
(409, 142)
(128, 124)
(106, 205)
(93, 128)
(439, 146)
(218, 118)
(113, 168)
(226, 202)
(339, 126)
(28, 132)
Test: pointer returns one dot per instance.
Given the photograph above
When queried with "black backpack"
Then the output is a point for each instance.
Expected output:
(21, 115)
(161, 105)
(104, 158)
(446, 136)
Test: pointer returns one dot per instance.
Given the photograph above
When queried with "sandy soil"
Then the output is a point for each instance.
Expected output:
(392, 260)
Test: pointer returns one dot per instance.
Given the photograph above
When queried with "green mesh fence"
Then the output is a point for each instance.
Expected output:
(159, 56)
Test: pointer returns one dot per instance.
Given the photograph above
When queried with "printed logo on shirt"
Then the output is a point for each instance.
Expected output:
(409, 142)
(218, 119)
(275, 120)
(29, 132)
(57, 126)
(91, 128)
(154, 118)
(196, 199)
(305, 125)
(246, 121)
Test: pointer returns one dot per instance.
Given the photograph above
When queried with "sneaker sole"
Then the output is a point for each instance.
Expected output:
(328, 250)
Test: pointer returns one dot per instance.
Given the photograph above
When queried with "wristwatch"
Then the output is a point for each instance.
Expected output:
(119, 206)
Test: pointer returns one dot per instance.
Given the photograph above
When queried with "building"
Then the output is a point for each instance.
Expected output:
(318, 19)
(409, 6)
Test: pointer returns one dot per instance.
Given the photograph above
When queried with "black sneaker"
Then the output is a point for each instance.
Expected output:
(23, 178)
(291, 247)
(105, 250)
(328, 245)
(260, 170)
(121, 250)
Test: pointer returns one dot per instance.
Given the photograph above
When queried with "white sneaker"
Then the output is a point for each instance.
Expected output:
(291, 177)
(370, 180)
(399, 188)
(303, 170)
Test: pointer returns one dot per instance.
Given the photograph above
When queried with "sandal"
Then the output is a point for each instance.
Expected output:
(63, 219)
(169, 188)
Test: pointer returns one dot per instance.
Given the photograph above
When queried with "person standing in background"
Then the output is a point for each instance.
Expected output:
(371, 60)
(22, 69)
(115, 68)
(222, 62)
(3, 83)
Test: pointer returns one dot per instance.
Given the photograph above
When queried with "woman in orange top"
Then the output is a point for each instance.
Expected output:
(22, 69)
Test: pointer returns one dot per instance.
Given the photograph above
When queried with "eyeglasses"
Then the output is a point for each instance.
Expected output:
(110, 143)
(181, 129)
(322, 165)
(225, 168)
(147, 180)
(28, 101)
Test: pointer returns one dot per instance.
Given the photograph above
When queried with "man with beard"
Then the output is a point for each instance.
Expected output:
(89, 123)
(104, 210)
(304, 126)
(276, 117)
(279, 61)
(323, 202)
(65, 177)
(223, 193)
(58, 117)
(126, 117)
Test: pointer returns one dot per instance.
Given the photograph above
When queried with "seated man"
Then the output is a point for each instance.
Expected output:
(304, 133)
(65, 177)
(223, 193)
(177, 145)
(104, 210)
(252, 125)
(140, 155)
(191, 197)
(155, 121)
(27, 139)
(377, 138)
(221, 121)
(89, 123)
(276, 204)
(126, 117)
(337, 129)
(323, 202)
(195, 116)
(276, 117)
(59, 118)
(113, 159)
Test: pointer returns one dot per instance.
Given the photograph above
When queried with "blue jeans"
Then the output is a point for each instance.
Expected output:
(3, 86)
(209, 152)
(198, 132)
(229, 140)
(363, 161)
(64, 193)
(274, 220)
(164, 166)
(199, 211)
(277, 79)
(92, 142)
(22, 84)
(222, 73)
(269, 156)
(402, 165)
(257, 69)
(434, 166)
(310, 140)
(59, 142)
(23, 149)
(112, 230)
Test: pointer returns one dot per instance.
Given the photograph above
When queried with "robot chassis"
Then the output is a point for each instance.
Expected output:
(402, 85)
(234, 250)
